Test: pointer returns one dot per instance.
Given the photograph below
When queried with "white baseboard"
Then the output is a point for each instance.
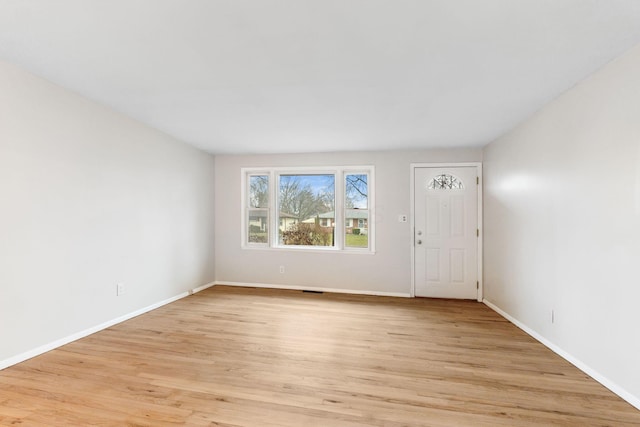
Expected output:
(313, 289)
(202, 288)
(66, 340)
(615, 388)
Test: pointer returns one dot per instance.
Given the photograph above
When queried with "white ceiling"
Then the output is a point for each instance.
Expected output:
(263, 76)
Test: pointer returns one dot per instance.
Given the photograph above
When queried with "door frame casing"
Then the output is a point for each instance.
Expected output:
(413, 167)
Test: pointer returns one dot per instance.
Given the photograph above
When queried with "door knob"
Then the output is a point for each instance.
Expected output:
(419, 242)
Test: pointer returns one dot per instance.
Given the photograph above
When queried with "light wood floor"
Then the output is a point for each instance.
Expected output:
(255, 357)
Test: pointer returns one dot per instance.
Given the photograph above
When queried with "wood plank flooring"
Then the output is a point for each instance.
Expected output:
(260, 357)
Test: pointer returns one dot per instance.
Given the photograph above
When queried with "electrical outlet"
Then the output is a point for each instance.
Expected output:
(553, 316)
(402, 218)
(282, 269)
(120, 289)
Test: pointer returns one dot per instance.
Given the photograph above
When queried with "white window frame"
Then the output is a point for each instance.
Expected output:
(340, 173)
(246, 208)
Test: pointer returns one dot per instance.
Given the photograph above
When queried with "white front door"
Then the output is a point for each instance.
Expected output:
(446, 232)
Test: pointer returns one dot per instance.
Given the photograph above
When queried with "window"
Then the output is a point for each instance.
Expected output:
(305, 208)
(445, 182)
(258, 209)
(357, 210)
(307, 201)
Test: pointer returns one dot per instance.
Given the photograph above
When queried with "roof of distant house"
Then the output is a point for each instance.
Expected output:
(350, 214)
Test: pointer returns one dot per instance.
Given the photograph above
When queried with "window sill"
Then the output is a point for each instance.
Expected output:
(310, 249)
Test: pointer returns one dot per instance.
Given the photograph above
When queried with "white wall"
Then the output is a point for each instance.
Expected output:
(562, 224)
(90, 198)
(388, 271)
